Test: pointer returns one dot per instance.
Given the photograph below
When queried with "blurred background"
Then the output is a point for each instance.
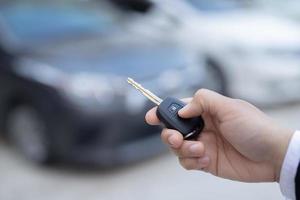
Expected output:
(72, 128)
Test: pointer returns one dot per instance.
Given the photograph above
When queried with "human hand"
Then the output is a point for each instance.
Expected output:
(238, 142)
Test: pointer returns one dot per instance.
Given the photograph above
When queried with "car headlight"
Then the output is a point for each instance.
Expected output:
(83, 89)
(38, 71)
(88, 89)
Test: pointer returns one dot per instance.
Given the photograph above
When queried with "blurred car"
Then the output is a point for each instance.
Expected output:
(147, 18)
(254, 54)
(63, 90)
(286, 8)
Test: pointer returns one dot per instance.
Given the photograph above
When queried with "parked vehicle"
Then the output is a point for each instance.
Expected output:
(63, 90)
(254, 54)
(287, 8)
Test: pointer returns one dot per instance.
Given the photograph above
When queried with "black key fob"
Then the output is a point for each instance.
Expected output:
(167, 112)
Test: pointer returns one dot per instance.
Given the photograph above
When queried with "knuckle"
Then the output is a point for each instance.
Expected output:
(201, 92)
(241, 102)
(201, 150)
(187, 151)
(200, 95)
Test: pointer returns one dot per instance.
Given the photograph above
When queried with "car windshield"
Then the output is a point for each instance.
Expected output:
(218, 5)
(33, 21)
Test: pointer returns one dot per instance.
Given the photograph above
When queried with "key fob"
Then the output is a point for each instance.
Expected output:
(167, 112)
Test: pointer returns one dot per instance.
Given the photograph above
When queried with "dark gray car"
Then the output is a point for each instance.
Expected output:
(63, 90)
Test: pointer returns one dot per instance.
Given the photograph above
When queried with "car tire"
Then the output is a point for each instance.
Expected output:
(215, 78)
(27, 130)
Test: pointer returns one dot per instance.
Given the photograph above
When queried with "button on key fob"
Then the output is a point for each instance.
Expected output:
(167, 112)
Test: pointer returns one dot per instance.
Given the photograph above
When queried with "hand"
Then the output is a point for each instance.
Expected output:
(239, 142)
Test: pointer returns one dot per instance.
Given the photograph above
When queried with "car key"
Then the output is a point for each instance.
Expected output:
(167, 112)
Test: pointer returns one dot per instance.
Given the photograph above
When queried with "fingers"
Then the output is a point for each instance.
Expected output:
(204, 101)
(172, 138)
(191, 154)
(151, 117)
(190, 149)
(182, 148)
(195, 163)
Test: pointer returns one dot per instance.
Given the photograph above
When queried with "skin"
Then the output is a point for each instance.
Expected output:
(239, 142)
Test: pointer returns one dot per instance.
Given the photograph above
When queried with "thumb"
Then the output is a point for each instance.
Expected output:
(205, 101)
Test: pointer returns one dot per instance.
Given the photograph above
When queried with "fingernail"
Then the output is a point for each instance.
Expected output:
(195, 148)
(204, 161)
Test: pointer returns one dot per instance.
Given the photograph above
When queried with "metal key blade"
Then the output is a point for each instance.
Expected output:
(152, 97)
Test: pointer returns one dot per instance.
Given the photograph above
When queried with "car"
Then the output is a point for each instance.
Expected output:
(254, 54)
(63, 90)
(289, 9)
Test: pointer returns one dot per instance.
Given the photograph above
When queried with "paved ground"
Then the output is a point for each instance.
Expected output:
(160, 178)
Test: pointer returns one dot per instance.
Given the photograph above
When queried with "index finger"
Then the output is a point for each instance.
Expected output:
(151, 117)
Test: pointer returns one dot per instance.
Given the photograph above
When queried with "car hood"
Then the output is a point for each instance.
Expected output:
(249, 28)
(140, 61)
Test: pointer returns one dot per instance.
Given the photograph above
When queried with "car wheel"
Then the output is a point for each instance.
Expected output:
(215, 78)
(27, 130)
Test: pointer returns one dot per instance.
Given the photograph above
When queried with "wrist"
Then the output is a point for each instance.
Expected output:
(280, 147)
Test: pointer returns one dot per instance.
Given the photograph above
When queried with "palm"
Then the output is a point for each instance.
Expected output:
(229, 163)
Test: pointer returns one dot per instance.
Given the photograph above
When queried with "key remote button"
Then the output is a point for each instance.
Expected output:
(173, 108)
